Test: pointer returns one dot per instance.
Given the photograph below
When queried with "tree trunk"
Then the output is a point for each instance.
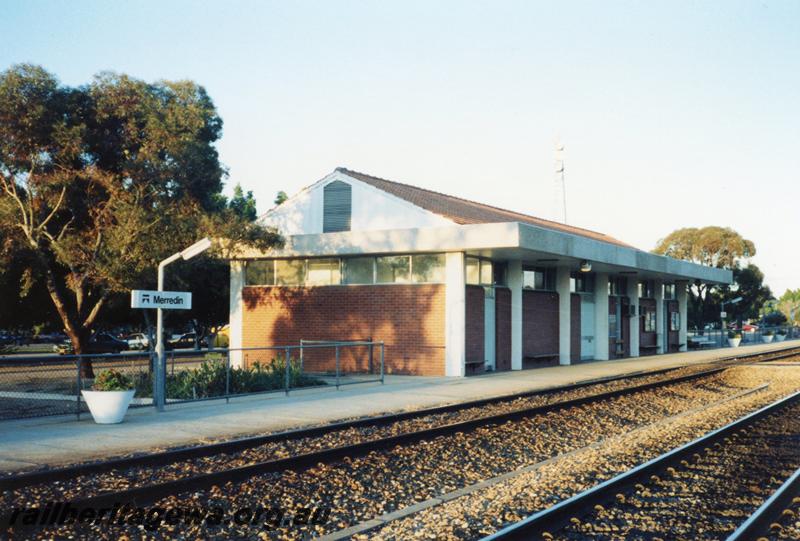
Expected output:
(78, 333)
(79, 341)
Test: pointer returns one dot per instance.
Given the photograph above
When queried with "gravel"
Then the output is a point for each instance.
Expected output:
(361, 488)
(85, 486)
(486, 511)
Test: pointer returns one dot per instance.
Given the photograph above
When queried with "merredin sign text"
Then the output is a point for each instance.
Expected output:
(169, 300)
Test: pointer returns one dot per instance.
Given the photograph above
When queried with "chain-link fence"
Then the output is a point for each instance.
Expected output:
(40, 385)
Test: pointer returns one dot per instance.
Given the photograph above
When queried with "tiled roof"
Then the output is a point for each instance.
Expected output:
(463, 211)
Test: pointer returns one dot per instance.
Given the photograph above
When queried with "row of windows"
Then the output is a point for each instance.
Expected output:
(395, 269)
(647, 288)
(422, 268)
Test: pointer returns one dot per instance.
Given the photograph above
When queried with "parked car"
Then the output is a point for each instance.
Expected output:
(101, 342)
(185, 341)
(138, 341)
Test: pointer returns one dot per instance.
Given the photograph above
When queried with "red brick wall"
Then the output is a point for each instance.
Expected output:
(575, 328)
(502, 322)
(408, 318)
(475, 327)
(539, 323)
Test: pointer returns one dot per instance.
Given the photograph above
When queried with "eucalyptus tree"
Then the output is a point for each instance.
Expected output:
(100, 182)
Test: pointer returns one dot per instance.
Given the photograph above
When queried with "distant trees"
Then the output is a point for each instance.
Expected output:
(100, 182)
(789, 305)
(280, 197)
(720, 247)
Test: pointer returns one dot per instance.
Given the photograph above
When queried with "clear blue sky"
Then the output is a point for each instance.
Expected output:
(673, 113)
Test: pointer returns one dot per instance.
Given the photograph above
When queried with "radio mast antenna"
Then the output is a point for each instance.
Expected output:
(559, 170)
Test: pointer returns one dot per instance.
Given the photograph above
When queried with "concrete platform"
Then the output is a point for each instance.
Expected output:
(33, 443)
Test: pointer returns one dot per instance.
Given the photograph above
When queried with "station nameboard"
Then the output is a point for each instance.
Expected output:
(167, 300)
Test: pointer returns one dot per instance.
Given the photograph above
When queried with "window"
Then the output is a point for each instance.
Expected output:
(674, 321)
(260, 273)
(473, 270)
(486, 272)
(669, 291)
(323, 272)
(617, 286)
(646, 289)
(359, 270)
(290, 272)
(649, 320)
(479, 271)
(581, 282)
(544, 279)
(336, 206)
(500, 272)
(427, 268)
(393, 269)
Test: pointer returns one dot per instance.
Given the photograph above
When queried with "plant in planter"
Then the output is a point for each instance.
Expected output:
(767, 336)
(780, 335)
(734, 338)
(110, 396)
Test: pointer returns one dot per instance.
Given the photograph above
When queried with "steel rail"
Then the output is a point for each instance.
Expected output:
(557, 516)
(171, 456)
(757, 525)
(148, 494)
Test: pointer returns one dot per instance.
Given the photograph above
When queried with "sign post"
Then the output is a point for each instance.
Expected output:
(166, 299)
(160, 300)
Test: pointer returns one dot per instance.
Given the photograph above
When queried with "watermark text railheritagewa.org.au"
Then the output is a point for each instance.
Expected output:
(65, 514)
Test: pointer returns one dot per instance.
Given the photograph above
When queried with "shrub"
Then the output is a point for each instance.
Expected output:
(768, 333)
(112, 380)
(782, 332)
(208, 380)
(734, 334)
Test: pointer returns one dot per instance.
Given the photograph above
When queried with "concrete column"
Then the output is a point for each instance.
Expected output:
(633, 296)
(601, 316)
(564, 313)
(515, 285)
(455, 314)
(681, 292)
(236, 313)
(661, 337)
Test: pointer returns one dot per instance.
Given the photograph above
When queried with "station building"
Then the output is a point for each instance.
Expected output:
(453, 287)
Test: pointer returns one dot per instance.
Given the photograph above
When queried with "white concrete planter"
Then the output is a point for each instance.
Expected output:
(780, 337)
(734, 342)
(108, 407)
(766, 339)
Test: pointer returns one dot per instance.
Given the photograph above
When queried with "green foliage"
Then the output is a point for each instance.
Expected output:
(774, 319)
(208, 380)
(768, 332)
(789, 305)
(280, 197)
(713, 246)
(112, 380)
(734, 334)
(748, 283)
(243, 205)
(100, 182)
(720, 247)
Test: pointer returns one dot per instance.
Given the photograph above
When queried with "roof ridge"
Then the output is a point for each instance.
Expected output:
(471, 202)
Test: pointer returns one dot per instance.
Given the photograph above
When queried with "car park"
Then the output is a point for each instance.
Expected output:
(101, 342)
(138, 341)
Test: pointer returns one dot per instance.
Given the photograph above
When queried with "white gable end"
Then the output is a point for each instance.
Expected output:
(372, 209)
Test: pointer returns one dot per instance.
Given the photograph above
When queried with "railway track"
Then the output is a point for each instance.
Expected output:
(777, 518)
(700, 490)
(149, 493)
